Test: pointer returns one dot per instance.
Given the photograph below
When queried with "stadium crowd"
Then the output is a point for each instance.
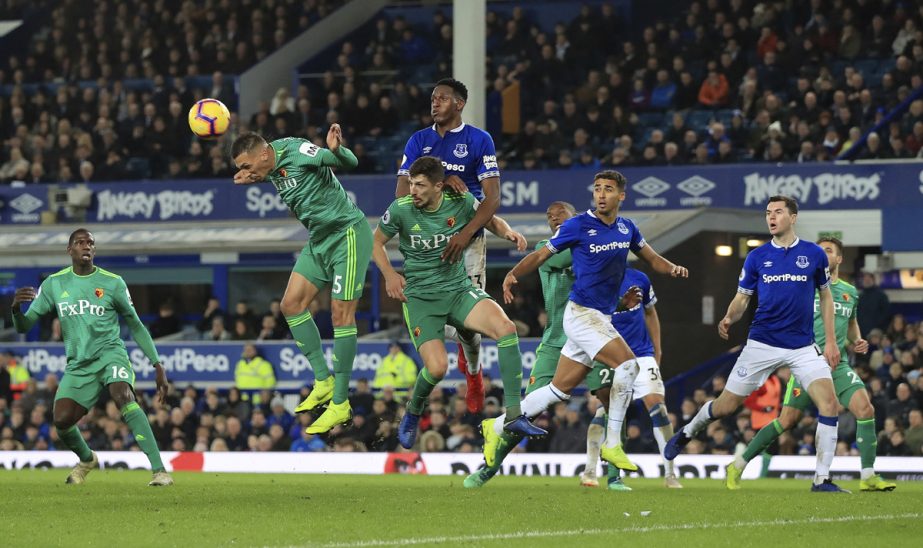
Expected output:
(254, 417)
(719, 82)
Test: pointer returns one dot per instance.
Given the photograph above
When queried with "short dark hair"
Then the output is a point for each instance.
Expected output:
(429, 167)
(245, 143)
(612, 175)
(460, 89)
(833, 240)
(569, 207)
(790, 203)
(70, 239)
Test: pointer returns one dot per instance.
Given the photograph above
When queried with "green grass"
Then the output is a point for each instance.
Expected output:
(117, 508)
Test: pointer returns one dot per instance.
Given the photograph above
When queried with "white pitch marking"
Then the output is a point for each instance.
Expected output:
(648, 529)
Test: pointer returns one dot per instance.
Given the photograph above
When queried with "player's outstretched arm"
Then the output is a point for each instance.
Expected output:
(528, 264)
(337, 155)
(502, 229)
(143, 337)
(735, 311)
(831, 350)
(24, 322)
(661, 265)
(394, 282)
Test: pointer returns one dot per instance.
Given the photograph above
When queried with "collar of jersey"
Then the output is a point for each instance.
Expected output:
(95, 269)
(593, 214)
(441, 201)
(777, 246)
(456, 130)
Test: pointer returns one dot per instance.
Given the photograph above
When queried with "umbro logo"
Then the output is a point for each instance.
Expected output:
(767, 264)
(591, 232)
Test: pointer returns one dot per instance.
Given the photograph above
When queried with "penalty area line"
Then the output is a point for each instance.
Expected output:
(615, 530)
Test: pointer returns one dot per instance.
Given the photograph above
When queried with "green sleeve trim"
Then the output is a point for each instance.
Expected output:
(61, 272)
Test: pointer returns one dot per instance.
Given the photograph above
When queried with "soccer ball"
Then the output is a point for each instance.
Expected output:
(209, 118)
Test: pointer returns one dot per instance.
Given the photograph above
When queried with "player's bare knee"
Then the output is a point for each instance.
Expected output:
(863, 410)
(788, 420)
(64, 421)
(343, 313)
(292, 306)
(652, 399)
(121, 394)
(438, 369)
(725, 404)
(503, 328)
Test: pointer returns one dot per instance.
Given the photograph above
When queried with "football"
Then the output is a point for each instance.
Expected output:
(209, 118)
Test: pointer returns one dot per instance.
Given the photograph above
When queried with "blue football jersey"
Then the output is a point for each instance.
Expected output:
(784, 280)
(600, 257)
(630, 323)
(465, 151)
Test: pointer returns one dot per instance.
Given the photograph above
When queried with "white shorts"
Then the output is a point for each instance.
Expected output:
(588, 330)
(758, 361)
(649, 380)
(476, 261)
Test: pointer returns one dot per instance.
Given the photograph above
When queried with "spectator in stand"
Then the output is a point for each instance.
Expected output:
(901, 406)
(913, 436)
(217, 332)
(270, 330)
(280, 416)
(396, 370)
(874, 305)
(242, 331)
(212, 311)
(714, 91)
(253, 372)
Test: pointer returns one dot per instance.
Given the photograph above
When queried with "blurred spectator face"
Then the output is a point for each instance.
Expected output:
(903, 392)
(249, 352)
(916, 418)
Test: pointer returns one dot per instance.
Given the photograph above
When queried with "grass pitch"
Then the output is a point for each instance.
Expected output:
(204, 509)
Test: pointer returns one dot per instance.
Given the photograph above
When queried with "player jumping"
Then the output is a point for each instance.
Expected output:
(784, 273)
(88, 301)
(470, 161)
(850, 389)
(599, 240)
(436, 292)
(337, 253)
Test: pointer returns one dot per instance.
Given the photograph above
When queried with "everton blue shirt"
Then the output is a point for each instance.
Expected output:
(600, 257)
(630, 323)
(465, 151)
(784, 279)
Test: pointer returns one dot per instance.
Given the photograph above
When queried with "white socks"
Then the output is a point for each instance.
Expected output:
(594, 438)
(471, 346)
(825, 442)
(535, 403)
(623, 377)
(699, 421)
